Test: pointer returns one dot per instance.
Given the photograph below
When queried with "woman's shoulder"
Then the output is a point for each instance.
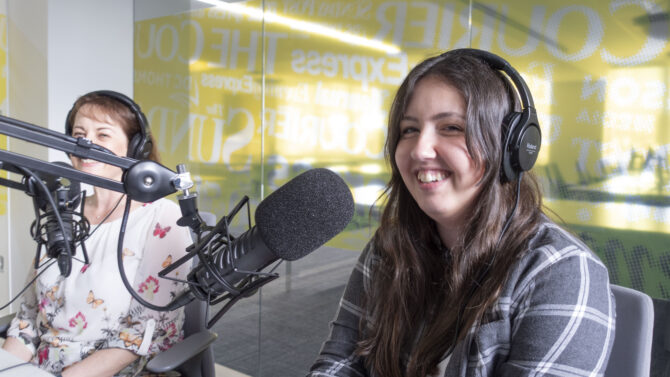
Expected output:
(159, 214)
(162, 203)
(555, 252)
(552, 243)
(163, 206)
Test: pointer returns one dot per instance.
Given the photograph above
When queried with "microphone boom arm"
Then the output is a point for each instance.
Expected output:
(144, 181)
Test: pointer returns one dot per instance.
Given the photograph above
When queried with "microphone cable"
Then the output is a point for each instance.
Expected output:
(107, 215)
(29, 284)
(122, 272)
(52, 203)
(14, 366)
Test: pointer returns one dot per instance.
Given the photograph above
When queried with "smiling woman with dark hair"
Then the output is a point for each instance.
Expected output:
(466, 276)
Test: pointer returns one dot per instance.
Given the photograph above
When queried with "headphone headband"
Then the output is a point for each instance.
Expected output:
(498, 63)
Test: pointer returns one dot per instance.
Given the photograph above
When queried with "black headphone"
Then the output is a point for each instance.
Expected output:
(140, 144)
(521, 135)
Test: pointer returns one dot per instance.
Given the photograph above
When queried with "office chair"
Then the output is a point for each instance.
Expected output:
(631, 353)
(660, 348)
(5, 321)
(193, 356)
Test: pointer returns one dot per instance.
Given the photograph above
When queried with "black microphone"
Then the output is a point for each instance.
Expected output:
(293, 221)
(61, 199)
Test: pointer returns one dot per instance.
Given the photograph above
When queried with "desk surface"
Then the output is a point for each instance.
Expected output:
(7, 360)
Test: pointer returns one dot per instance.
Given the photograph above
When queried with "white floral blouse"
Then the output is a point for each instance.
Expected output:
(63, 320)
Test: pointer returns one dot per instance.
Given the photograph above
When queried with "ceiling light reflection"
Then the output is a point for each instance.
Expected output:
(306, 26)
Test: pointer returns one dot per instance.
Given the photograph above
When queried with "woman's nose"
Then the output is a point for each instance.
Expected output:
(424, 148)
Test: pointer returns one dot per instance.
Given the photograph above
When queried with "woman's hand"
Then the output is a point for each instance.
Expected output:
(17, 348)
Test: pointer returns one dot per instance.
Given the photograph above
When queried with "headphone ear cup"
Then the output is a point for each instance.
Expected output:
(134, 147)
(510, 153)
(68, 128)
(521, 143)
(144, 144)
(146, 149)
(139, 147)
(528, 146)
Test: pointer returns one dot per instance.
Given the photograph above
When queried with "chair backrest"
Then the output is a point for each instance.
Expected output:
(201, 365)
(660, 348)
(5, 321)
(631, 353)
(195, 314)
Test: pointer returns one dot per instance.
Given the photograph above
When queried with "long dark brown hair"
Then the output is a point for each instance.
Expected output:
(424, 297)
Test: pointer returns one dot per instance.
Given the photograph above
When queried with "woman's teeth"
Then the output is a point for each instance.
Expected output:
(431, 176)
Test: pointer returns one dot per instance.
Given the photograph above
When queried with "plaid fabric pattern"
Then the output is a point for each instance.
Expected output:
(554, 317)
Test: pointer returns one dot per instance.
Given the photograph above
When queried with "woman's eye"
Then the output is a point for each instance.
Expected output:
(407, 130)
(452, 128)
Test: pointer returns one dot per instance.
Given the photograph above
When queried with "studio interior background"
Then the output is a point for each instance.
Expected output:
(249, 94)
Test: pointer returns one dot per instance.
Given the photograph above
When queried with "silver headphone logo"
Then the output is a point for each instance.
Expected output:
(531, 148)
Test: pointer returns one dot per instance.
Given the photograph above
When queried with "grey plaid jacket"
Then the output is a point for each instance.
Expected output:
(555, 317)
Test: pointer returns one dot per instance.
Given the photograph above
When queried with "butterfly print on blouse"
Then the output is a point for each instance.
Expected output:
(129, 339)
(95, 302)
(161, 232)
(128, 253)
(167, 261)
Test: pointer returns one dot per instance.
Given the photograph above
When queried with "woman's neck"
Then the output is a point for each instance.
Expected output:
(449, 234)
(105, 204)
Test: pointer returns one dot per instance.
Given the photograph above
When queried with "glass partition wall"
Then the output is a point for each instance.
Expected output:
(249, 94)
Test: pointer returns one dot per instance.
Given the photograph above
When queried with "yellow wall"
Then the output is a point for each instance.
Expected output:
(4, 274)
(3, 102)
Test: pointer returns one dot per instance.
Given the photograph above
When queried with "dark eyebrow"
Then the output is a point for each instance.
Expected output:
(446, 114)
(101, 128)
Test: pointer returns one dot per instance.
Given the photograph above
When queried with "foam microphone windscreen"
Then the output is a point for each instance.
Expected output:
(304, 213)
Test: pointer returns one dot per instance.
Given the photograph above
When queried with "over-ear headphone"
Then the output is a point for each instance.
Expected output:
(140, 144)
(521, 135)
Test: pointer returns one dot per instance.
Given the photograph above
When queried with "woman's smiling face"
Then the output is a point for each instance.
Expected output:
(432, 155)
(101, 130)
